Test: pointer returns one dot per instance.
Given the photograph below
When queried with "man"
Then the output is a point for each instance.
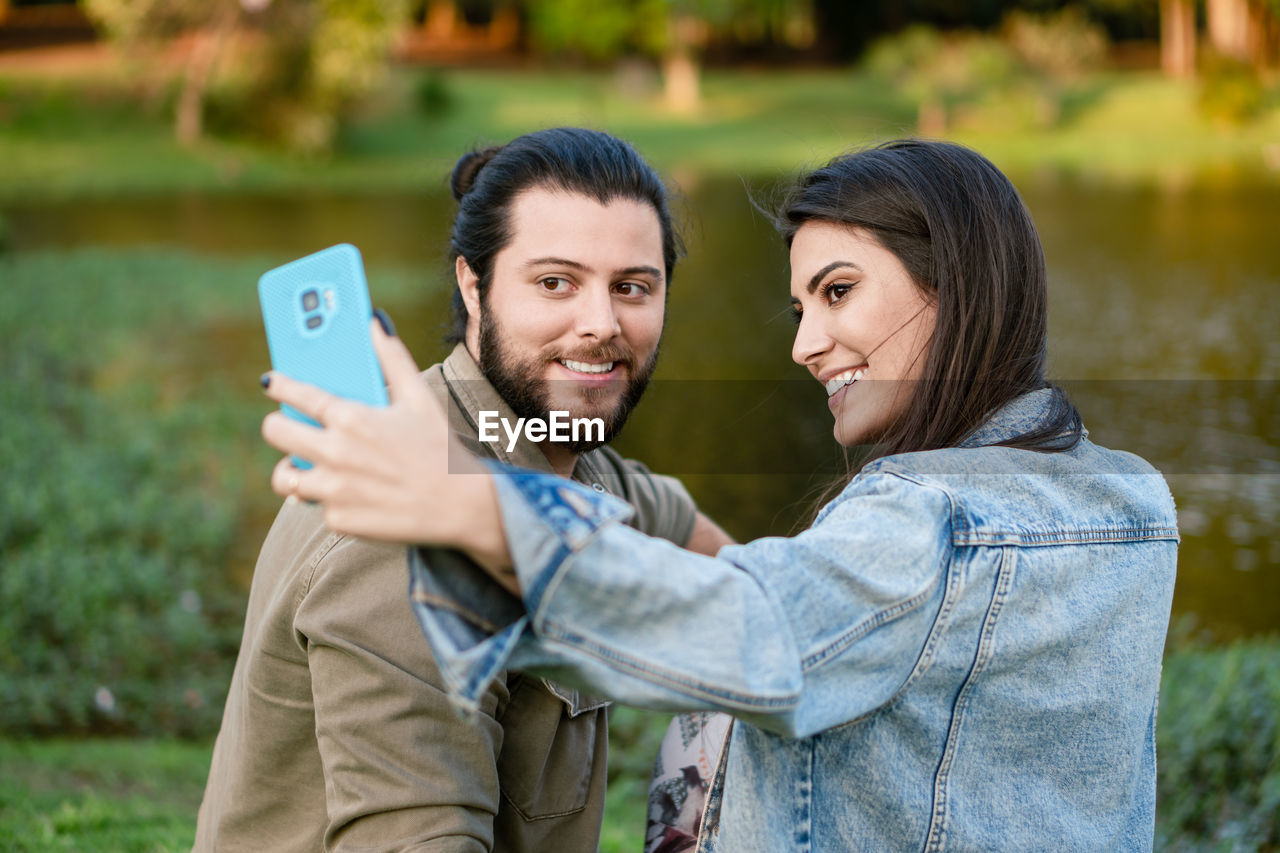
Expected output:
(337, 733)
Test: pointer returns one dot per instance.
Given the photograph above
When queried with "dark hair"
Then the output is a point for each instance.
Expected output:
(963, 234)
(486, 181)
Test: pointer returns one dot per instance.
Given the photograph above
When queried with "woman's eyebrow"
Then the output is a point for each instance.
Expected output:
(827, 270)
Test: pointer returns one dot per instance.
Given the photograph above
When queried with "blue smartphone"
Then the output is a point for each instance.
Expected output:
(317, 311)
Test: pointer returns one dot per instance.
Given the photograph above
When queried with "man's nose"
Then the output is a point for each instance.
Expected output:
(596, 317)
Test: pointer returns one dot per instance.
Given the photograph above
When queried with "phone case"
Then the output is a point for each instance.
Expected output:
(317, 311)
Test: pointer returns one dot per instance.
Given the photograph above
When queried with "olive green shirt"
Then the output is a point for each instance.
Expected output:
(337, 734)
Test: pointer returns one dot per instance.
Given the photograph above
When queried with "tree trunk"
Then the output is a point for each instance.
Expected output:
(1177, 38)
(209, 41)
(680, 73)
(680, 82)
(1228, 22)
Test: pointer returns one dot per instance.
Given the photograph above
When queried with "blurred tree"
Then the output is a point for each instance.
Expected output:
(1057, 50)
(1177, 38)
(1177, 30)
(1040, 55)
(303, 62)
(938, 71)
(1245, 30)
(674, 31)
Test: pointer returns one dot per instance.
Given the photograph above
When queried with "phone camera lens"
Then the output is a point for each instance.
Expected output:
(310, 301)
(314, 321)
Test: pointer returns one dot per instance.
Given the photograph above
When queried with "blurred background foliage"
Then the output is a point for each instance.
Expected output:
(160, 155)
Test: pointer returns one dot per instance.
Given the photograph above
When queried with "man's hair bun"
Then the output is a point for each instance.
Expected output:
(467, 167)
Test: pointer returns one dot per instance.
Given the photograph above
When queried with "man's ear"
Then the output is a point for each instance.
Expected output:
(468, 286)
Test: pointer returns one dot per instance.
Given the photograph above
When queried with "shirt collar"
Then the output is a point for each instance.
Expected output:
(1020, 415)
(473, 394)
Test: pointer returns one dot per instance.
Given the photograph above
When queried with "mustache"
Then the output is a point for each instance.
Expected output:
(602, 352)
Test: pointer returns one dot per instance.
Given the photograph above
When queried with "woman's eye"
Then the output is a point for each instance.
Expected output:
(833, 293)
(554, 285)
(796, 314)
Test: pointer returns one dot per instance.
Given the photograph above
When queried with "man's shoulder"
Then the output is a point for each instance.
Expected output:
(663, 506)
(299, 546)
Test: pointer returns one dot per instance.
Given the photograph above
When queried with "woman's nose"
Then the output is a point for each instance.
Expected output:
(810, 343)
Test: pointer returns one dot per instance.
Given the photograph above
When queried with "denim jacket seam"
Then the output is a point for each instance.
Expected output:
(936, 838)
(887, 614)
(880, 618)
(927, 652)
(546, 579)
(1095, 536)
(555, 633)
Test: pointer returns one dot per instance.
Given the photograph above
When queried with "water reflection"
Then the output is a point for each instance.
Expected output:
(1161, 325)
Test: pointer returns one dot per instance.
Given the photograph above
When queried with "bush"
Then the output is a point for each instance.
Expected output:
(119, 501)
(1218, 739)
(432, 95)
(1230, 89)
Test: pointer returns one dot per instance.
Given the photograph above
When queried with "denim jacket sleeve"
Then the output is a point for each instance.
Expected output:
(793, 634)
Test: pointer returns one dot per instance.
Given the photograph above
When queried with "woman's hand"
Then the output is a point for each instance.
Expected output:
(392, 473)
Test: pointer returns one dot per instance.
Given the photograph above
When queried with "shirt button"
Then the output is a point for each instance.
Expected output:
(597, 487)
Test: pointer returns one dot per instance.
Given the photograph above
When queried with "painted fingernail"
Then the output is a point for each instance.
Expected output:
(265, 380)
(385, 322)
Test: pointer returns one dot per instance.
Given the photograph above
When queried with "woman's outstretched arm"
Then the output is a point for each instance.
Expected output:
(796, 634)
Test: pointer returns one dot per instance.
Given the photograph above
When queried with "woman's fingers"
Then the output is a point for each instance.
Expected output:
(286, 480)
(404, 380)
(311, 401)
(290, 436)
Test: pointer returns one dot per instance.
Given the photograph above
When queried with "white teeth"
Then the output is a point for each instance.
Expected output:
(583, 367)
(837, 382)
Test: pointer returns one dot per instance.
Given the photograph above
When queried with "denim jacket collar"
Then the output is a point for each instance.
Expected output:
(1019, 416)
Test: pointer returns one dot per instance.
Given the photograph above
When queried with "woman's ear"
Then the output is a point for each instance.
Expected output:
(468, 286)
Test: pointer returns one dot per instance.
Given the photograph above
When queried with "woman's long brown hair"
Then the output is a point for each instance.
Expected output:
(967, 240)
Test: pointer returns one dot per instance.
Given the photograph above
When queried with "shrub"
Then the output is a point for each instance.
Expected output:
(119, 500)
(1218, 739)
(1230, 89)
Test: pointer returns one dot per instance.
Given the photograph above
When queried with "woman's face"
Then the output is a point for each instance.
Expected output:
(863, 326)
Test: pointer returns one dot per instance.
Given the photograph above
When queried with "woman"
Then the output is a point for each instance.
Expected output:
(963, 649)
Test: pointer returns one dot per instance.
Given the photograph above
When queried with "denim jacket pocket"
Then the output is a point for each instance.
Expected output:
(549, 752)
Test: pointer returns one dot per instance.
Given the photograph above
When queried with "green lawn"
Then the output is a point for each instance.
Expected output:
(63, 136)
(141, 796)
(100, 795)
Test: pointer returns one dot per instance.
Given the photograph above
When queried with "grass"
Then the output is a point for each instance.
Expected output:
(1218, 776)
(100, 795)
(70, 136)
(143, 795)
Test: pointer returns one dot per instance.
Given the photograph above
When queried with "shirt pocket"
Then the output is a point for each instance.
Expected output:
(549, 748)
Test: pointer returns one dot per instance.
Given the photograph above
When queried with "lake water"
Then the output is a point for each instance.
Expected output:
(1163, 325)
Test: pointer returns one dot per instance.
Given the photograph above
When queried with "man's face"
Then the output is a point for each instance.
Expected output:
(572, 319)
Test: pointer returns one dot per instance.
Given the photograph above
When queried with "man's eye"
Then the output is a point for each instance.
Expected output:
(631, 288)
(554, 285)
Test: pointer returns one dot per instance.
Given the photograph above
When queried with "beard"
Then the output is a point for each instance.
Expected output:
(520, 381)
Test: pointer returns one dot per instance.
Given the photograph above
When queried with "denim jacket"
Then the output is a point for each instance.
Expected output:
(961, 653)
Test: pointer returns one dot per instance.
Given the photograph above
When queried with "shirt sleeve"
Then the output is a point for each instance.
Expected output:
(792, 634)
(402, 770)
